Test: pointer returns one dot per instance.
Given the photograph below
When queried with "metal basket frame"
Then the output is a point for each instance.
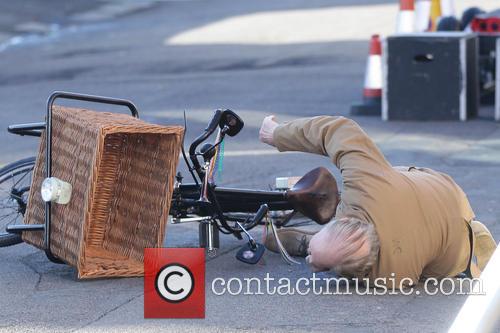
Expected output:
(34, 129)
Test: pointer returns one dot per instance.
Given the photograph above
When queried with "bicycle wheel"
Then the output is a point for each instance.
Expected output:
(15, 182)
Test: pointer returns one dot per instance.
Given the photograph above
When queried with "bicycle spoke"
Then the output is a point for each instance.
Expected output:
(14, 192)
(7, 215)
(20, 179)
(9, 207)
(10, 218)
(10, 194)
(14, 219)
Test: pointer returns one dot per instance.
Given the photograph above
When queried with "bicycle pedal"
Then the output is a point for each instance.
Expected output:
(250, 254)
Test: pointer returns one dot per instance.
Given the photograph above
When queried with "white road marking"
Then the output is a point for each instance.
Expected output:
(252, 118)
(297, 26)
(273, 27)
(255, 152)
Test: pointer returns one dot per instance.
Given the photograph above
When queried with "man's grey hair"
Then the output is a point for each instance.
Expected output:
(354, 230)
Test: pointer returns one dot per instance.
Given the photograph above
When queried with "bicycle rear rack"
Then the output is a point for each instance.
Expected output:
(35, 129)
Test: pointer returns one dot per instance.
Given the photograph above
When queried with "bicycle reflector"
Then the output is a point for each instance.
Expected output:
(486, 25)
(56, 190)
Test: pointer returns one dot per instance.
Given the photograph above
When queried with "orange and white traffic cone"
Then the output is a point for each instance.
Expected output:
(422, 15)
(435, 14)
(406, 17)
(372, 92)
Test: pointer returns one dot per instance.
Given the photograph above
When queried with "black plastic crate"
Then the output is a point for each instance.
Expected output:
(431, 76)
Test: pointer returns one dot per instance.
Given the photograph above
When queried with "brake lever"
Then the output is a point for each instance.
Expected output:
(210, 150)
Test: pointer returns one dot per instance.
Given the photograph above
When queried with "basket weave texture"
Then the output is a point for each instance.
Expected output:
(122, 171)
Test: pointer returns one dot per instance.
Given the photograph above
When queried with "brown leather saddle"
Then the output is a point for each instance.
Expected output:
(315, 195)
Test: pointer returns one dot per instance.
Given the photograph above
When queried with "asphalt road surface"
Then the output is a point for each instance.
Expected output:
(289, 58)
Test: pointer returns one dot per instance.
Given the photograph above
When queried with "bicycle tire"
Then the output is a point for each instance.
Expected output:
(7, 172)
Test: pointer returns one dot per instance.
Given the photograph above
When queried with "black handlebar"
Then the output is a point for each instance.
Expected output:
(31, 129)
(214, 122)
(209, 130)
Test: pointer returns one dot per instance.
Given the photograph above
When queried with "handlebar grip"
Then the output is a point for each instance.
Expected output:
(212, 126)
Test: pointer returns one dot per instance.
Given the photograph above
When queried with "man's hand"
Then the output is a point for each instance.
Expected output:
(269, 124)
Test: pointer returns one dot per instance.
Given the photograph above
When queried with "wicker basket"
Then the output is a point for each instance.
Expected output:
(122, 170)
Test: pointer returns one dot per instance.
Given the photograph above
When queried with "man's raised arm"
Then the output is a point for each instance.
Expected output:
(340, 138)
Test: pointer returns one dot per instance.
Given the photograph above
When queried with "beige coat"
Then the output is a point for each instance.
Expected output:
(420, 215)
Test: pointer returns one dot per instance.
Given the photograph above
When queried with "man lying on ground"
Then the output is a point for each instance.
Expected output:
(399, 223)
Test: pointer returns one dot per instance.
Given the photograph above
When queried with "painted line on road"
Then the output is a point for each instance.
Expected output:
(253, 118)
(255, 152)
(273, 27)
